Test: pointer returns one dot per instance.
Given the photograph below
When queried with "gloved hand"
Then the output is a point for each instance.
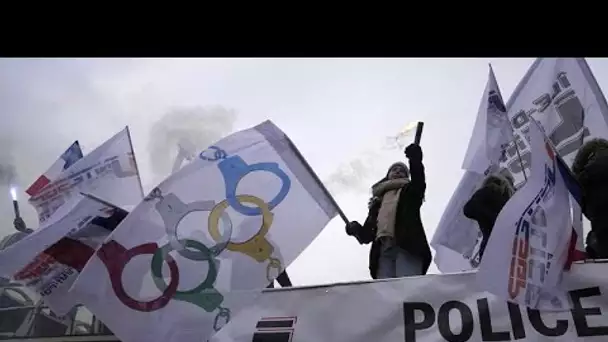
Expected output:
(413, 152)
(353, 228)
(19, 224)
(373, 201)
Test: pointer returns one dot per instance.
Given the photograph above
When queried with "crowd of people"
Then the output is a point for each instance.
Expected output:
(394, 227)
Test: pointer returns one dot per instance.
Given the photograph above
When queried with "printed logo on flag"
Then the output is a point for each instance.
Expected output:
(495, 102)
(53, 266)
(67, 159)
(40, 183)
(71, 155)
(567, 136)
(52, 197)
(172, 211)
(529, 251)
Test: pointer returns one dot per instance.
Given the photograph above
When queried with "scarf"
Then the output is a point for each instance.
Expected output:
(389, 191)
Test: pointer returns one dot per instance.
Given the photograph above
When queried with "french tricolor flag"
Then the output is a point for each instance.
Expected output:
(575, 252)
(67, 159)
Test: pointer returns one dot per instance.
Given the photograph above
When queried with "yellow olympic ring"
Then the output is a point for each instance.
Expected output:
(257, 247)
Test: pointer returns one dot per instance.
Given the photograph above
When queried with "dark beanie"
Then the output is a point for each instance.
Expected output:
(402, 164)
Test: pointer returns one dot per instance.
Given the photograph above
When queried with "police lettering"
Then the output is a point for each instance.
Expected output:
(420, 318)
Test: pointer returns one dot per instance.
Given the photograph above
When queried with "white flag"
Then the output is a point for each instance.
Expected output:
(492, 131)
(211, 235)
(527, 250)
(67, 159)
(564, 97)
(71, 230)
(48, 259)
(457, 236)
(109, 172)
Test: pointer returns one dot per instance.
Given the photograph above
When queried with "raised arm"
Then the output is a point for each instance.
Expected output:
(418, 182)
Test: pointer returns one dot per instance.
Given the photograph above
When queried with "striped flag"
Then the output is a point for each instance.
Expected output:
(575, 252)
(67, 159)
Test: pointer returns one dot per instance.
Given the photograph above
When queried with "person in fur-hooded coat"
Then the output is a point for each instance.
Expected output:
(393, 225)
(487, 202)
(590, 167)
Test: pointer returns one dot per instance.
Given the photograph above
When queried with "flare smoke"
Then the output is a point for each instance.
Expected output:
(353, 175)
(357, 174)
(7, 173)
(196, 127)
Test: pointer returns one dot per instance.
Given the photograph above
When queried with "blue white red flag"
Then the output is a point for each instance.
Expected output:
(67, 159)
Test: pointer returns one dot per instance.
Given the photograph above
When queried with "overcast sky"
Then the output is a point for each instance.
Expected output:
(337, 111)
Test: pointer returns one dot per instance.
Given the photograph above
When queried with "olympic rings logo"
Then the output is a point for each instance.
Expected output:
(172, 211)
(217, 154)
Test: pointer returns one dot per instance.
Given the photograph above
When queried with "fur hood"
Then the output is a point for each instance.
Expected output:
(502, 182)
(587, 153)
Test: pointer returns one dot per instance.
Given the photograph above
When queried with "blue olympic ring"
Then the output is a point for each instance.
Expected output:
(218, 154)
(234, 169)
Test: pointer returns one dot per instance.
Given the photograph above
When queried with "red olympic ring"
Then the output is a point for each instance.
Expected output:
(115, 257)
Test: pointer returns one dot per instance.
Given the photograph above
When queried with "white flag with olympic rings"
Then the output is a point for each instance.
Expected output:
(205, 241)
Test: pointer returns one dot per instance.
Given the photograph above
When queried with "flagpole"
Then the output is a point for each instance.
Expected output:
(521, 162)
(557, 155)
(506, 113)
(317, 180)
(179, 159)
(141, 188)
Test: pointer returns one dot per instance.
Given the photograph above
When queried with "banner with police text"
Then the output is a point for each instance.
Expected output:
(564, 97)
(432, 308)
(108, 172)
(207, 240)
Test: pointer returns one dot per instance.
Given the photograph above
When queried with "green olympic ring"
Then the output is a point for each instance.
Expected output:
(204, 295)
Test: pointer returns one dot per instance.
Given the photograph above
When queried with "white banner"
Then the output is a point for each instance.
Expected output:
(433, 308)
(226, 225)
(48, 260)
(492, 130)
(67, 159)
(457, 236)
(69, 220)
(564, 97)
(525, 264)
(109, 172)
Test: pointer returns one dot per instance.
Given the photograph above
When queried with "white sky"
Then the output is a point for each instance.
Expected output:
(335, 110)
